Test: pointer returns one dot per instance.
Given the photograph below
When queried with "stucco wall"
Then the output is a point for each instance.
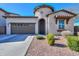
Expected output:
(43, 15)
(20, 20)
(53, 27)
(70, 25)
(46, 23)
(45, 11)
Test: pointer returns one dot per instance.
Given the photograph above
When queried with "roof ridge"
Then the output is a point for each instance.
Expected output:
(7, 11)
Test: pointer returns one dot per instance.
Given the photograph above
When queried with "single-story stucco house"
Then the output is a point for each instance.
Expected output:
(46, 20)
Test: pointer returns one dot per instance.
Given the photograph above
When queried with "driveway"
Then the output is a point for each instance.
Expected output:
(14, 45)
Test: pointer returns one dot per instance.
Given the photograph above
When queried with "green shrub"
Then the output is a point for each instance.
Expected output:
(73, 43)
(50, 38)
(40, 37)
(66, 33)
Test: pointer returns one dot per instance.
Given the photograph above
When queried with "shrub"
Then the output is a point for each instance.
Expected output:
(73, 43)
(66, 33)
(40, 37)
(78, 33)
(50, 38)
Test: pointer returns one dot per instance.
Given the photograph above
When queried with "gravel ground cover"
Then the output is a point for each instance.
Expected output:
(41, 48)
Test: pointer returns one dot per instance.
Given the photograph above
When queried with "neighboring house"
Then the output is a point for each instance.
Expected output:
(46, 20)
(3, 20)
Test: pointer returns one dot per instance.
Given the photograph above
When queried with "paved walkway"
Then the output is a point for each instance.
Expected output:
(41, 48)
(15, 48)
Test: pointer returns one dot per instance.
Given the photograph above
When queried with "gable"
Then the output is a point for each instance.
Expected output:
(63, 13)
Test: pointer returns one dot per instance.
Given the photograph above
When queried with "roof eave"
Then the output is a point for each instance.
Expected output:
(20, 17)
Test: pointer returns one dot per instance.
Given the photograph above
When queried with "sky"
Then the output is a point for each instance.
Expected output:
(26, 9)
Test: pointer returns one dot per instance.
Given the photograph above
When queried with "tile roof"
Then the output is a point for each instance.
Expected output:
(8, 12)
(43, 6)
(64, 11)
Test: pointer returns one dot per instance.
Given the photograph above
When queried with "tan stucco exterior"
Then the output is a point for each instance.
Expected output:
(20, 20)
(53, 27)
(51, 23)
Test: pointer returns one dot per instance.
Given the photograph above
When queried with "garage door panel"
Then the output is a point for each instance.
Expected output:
(23, 28)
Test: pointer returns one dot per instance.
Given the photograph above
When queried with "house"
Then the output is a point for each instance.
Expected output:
(3, 20)
(46, 20)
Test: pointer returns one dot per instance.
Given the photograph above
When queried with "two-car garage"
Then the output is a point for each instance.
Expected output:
(22, 28)
(21, 25)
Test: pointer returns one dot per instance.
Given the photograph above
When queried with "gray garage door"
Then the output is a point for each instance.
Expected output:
(2, 30)
(23, 28)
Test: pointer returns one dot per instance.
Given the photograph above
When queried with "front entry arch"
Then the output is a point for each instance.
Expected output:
(41, 25)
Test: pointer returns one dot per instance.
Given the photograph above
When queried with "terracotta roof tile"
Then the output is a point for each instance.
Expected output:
(64, 11)
(43, 6)
(8, 12)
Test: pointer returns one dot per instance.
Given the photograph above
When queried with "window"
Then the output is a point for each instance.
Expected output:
(61, 24)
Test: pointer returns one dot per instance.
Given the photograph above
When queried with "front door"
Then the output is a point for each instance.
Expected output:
(41, 26)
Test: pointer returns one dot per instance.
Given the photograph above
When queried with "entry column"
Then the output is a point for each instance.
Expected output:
(8, 28)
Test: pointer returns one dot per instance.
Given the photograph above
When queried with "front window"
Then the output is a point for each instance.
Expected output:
(61, 24)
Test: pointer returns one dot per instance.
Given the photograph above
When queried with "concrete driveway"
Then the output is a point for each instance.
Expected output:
(15, 48)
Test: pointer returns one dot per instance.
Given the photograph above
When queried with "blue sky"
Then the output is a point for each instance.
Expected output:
(26, 9)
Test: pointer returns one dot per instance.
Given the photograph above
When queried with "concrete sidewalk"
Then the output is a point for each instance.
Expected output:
(15, 48)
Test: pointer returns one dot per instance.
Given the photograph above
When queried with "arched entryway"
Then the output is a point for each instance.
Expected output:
(41, 26)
